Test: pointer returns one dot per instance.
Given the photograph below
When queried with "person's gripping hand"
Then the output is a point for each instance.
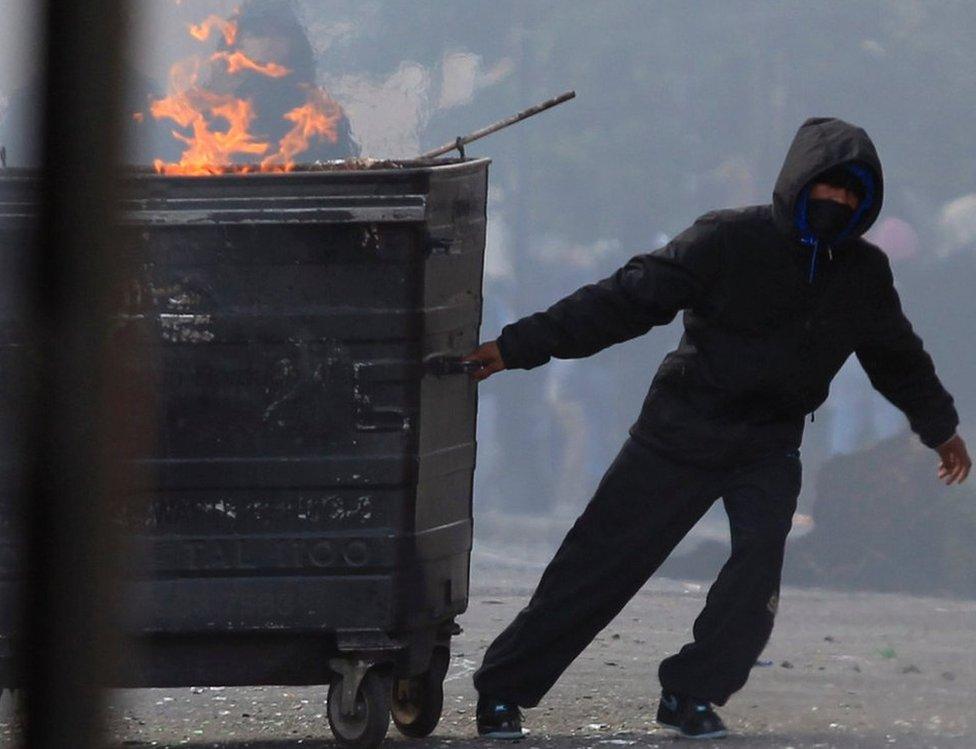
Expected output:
(490, 358)
(955, 461)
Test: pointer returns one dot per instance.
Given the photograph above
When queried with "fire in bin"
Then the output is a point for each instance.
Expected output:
(216, 101)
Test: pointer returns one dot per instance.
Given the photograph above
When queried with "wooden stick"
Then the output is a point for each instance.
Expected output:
(459, 143)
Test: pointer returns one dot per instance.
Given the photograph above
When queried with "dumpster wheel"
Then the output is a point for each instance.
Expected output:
(366, 724)
(417, 701)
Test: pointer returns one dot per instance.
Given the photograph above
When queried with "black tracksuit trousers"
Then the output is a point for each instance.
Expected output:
(644, 505)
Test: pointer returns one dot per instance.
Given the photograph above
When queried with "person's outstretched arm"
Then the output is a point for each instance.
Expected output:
(649, 290)
(902, 371)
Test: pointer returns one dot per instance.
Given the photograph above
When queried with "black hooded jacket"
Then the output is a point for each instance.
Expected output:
(769, 318)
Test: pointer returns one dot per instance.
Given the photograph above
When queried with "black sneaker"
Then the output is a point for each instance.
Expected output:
(498, 719)
(690, 717)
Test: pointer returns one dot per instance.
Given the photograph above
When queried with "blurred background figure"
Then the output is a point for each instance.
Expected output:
(859, 415)
(495, 491)
(269, 31)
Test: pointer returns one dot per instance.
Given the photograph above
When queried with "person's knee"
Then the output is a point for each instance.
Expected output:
(765, 544)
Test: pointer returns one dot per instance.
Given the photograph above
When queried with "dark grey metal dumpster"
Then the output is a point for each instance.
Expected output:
(308, 518)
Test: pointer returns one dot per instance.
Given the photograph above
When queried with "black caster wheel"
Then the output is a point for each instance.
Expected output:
(366, 726)
(417, 701)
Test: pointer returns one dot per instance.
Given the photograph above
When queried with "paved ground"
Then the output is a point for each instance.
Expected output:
(847, 670)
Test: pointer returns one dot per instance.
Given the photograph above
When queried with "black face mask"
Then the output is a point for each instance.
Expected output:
(828, 218)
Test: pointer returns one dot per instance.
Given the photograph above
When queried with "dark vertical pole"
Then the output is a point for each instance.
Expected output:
(72, 553)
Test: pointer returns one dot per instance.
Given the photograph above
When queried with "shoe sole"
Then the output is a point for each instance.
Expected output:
(677, 730)
(503, 735)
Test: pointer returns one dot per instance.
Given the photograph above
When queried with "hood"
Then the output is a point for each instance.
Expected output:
(820, 144)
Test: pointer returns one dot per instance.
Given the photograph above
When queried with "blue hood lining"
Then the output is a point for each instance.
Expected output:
(866, 176)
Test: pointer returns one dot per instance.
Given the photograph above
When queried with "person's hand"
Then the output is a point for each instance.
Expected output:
(490, 358)
(956, 462)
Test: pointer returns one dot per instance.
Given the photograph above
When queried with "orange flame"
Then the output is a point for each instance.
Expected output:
(208, 151)
(201, 31)
(238, 61)
(319, 116)
(219, 124)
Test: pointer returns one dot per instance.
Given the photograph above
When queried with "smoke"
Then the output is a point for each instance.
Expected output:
(957, 221)
(327, 37)
(388, 109)
(463, 74)
(598, 254)
(388, 113)
(499, 262)
(19, 52)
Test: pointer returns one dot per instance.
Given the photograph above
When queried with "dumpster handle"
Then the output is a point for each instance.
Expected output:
(441, 365)
(440, 245)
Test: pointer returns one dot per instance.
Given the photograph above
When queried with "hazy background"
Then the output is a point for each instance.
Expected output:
(682, 107)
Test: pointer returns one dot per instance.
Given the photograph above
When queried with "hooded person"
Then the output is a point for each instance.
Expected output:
(269, 31)
(775, 298)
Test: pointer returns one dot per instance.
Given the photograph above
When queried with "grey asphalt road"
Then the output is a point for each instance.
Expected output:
(845, 670)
